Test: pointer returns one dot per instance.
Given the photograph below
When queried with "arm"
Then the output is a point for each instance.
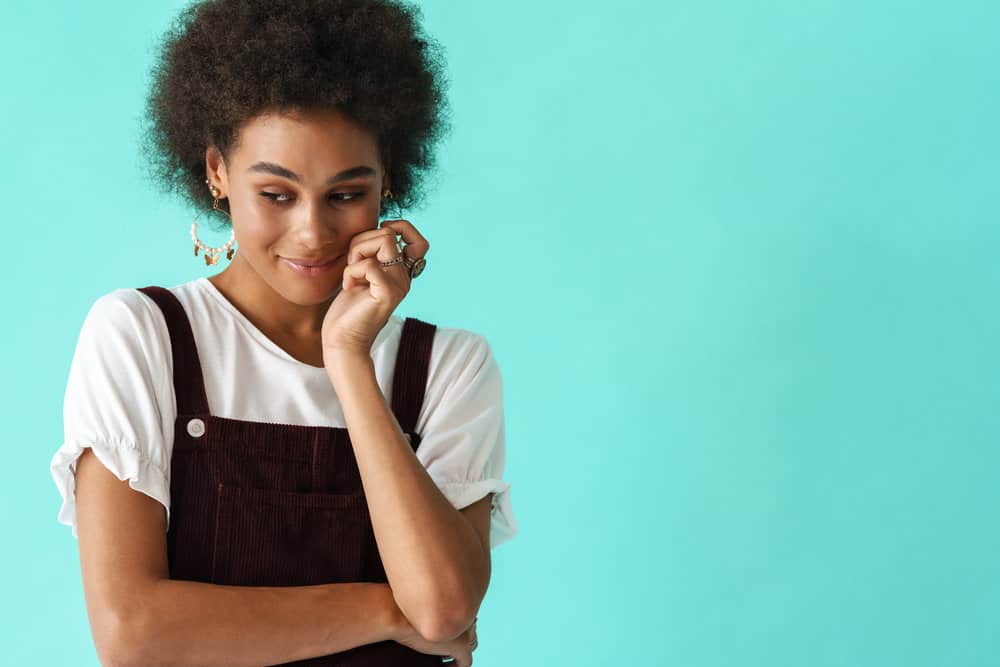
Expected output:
(436, 558)
(139, 616)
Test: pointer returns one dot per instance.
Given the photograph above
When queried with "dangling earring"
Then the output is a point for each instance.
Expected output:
(212, 254)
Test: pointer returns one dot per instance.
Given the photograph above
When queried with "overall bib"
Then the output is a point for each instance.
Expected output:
(268, 504)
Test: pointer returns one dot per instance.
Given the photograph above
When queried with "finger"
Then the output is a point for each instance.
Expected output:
(369, 270)
(370, 233)
(365, 237)
(458, 650)
(463, 658)
(369, 239)
(416, 244)
(382, 247)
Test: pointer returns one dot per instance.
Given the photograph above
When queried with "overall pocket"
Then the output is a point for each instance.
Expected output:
(266, 537)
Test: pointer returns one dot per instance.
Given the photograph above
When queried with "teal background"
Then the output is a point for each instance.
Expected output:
(737, 260)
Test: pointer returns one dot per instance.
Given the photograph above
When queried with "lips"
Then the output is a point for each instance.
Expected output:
(302, 261)
(310, 267)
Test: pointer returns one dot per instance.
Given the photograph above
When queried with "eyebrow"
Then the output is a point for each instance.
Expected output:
(278, 170)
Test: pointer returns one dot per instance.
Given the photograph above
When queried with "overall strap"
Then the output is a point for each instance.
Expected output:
(189, 385)
(410, 374)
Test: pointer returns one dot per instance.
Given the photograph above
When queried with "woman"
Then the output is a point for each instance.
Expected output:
(268, 465)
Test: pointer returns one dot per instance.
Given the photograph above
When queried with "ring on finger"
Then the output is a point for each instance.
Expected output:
(399, 258)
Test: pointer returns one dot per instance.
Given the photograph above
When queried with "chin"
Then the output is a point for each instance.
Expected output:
(310, 293)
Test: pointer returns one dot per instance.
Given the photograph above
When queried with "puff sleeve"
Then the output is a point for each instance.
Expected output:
(463, 439)
(119, 377)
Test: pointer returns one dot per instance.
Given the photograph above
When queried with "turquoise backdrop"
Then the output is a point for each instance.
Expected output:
(738, 262)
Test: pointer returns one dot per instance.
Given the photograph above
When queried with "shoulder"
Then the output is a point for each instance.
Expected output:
(451, 345)
(129, 304)
(460, 347)
(462, 359)
(124, 309)
(124, 328)
(128, 310)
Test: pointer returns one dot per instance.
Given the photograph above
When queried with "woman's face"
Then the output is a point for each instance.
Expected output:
(299, 187)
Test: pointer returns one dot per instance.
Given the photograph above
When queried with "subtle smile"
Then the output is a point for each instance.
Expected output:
(310, 270)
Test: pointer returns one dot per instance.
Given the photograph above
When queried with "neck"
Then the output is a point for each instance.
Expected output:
(266, 308)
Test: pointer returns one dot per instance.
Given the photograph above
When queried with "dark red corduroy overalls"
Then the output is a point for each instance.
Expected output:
(266, 504)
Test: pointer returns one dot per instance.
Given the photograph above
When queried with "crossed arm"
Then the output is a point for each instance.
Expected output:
(436, 558)
(139, 616)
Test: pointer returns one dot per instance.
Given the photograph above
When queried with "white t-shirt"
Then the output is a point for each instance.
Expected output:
(120, 396)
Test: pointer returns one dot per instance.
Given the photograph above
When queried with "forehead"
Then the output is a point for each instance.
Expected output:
(308, 139)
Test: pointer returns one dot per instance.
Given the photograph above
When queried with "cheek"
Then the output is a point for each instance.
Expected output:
(361, 218)
(367, 211)
(256, 232)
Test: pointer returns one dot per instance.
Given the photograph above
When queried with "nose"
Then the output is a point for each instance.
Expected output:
(315, 225)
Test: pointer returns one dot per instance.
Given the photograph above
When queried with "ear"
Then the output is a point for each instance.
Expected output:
(215, 168)
(386, 170)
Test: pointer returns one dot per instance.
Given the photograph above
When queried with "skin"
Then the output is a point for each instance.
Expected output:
(437, 558)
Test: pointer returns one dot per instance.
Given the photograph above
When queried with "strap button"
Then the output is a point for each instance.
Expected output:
(196, 428)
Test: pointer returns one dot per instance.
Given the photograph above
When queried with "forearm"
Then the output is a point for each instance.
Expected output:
(432, 555)
(193, 623)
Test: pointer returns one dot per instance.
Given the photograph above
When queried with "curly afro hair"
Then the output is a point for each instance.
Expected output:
(223, 62)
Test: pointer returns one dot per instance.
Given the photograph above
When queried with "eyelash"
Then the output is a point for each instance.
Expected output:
(272, 197)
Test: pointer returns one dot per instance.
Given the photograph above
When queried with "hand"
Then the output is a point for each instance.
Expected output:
(460, 648)
(370, 291)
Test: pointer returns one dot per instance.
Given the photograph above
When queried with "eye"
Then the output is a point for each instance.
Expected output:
(276, 197)
(348, 196)
(273, 196)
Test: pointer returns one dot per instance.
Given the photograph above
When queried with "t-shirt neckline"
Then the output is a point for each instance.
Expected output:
(262, 338)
